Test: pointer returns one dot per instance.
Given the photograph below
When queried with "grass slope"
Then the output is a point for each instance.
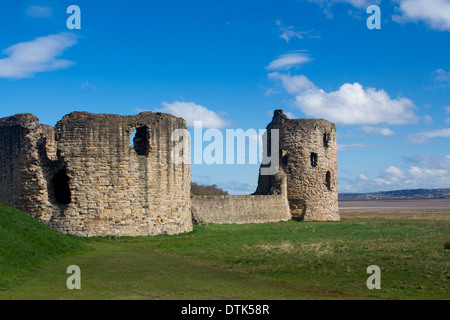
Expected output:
(25, 243)
(286, 260)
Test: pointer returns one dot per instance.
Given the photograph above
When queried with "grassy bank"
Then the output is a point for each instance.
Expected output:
(286, 260)
(25, 244)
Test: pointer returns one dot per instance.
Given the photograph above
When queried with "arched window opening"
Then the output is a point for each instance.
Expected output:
(313, 159)
(328, 180)
(60, 186)
(140, 141)
(326, 139)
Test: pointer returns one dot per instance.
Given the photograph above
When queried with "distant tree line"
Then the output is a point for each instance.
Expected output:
(203, 190)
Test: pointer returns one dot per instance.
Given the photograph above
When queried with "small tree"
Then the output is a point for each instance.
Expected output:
(204, 190)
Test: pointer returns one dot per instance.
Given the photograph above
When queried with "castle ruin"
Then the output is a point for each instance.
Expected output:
(82, 176)
(308, 163)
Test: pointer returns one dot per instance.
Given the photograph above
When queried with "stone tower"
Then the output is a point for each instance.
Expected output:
(83, 177)
(308, 164)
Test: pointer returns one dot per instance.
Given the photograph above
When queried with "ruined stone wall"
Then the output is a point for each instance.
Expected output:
(22, 183)
(86, 179)
(239, 209)
(83, 177)
(308, 161)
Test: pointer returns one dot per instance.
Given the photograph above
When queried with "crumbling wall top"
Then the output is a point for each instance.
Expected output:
(305, 124)
(146, 117)
(26, 120)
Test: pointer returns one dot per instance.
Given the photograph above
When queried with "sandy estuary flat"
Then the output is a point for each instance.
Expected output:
(436, 204)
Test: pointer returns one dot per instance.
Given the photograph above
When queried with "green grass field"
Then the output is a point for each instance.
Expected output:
(286, 260)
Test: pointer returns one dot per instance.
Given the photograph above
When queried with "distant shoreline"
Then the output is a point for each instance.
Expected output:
(409, 194)
(437, 204)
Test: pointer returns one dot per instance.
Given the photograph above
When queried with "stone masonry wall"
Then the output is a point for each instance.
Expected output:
(83, 177)
(308, 161)
(22, 182)
(239, 209)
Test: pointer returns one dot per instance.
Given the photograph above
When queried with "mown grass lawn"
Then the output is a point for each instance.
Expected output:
(286, 260)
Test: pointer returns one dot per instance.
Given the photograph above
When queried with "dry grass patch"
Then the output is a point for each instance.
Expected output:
(316, 249)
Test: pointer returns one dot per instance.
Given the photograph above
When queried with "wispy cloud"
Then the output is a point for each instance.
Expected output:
(359, 4)
(270, 92)
(356, 3)
(289, 60)
(441, 78)
(288, 32)
(377, 131)
(192, 112)
(441, 75)
(39, 55)
(86, 85)
(346, 147)
(427, 119)
(429, 160)
(423, 137)
(448, 111)
(39, 12)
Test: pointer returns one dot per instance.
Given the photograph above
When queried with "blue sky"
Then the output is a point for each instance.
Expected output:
(231, 63)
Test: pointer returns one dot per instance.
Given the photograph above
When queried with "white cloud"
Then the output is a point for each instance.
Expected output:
(39, 55)
(435, 13)
(290, 115)
(289, 60)
(292, 84)
(419, 173)
(351, 104)
(394, 174)
(393, 178)
(423, 137)
(377, 131)
(192, 112)
(39, 12)
(363, 177)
